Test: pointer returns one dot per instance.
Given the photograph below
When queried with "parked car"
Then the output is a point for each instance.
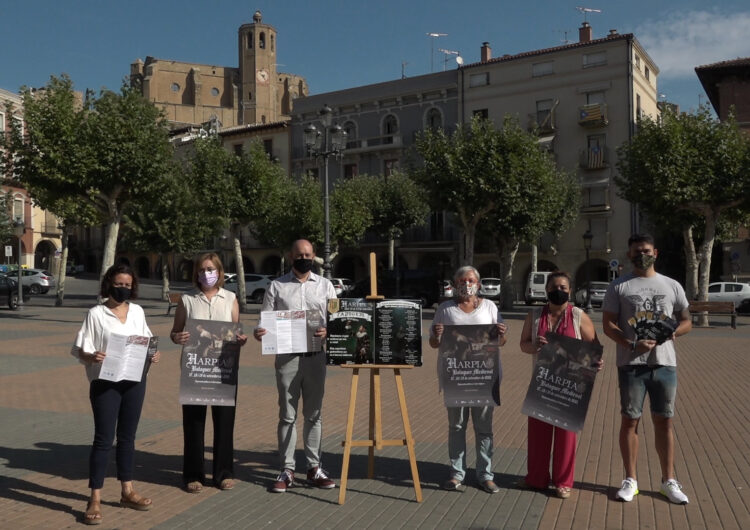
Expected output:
(490, 288)
(71, 269)
(9, 292)
(406, 285)
(597, 293)
(736, 292)
(38, 280)
(535, 287)
(447, 290)
(255, 285)
(342, 286)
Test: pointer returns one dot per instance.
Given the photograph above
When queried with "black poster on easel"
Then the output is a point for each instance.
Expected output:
(374, 332)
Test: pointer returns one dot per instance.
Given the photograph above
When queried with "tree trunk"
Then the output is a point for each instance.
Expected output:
(534, 257)
(60, 294)
(704, 267)
(691, 264)
(470, 232)
(111, 230)
(241, 293)
(391, 252)
(165, 276)
(507, 250)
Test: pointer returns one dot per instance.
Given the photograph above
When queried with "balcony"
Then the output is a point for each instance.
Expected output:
(374, 143)
(593, 116)
(593, 158)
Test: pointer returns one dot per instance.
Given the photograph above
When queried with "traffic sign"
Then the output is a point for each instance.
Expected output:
(613, 264)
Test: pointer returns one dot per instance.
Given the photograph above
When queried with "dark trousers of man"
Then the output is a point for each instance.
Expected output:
(117, 409)
(194, 427)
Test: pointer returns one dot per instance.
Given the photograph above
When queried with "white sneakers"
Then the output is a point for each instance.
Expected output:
(671, 489)
(628, 490)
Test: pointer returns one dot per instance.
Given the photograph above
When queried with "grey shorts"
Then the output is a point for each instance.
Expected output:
(660, 382)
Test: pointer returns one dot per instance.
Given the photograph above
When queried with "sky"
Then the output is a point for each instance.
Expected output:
(339, 44)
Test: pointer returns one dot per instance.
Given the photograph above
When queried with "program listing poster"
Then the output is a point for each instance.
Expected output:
(398, 332)
(562, 382)
(469, 365)
(209, 363)
(350, 331)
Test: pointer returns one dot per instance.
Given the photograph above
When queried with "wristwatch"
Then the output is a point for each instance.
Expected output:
(633, 345)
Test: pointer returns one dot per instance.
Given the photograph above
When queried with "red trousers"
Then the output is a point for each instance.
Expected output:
(539, 444)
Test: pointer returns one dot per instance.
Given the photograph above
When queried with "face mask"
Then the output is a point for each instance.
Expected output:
(120, 294)
(303, 265)
(208, 278)
(558, 297)
(643, 261)
(467, 289)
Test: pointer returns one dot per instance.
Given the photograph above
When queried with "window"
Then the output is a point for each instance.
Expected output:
(390, 166)
(638, 109)
(597, 141)
(313, 173)
(268, 147)
(647, 73)
(250, 96)
(434, 119)
(250, 40)
(733, 287)
(350, 128)
(350, 171)
(716, 288)
(18, 208)
(19, 124)
(214, 91)
(238, 149)
(593, 98)
(175, 87)
(596, 150)
(476, 80)
(271, 42)
(390, 127)
(544, 113)
(540, 69)
(482, 113)
(262, 41)
(638, 62)
(594, 59)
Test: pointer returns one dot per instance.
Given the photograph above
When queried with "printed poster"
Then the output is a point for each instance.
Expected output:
(128, 357)
(350, 337)
(562, 382)
(209, 363)
(398, 332)
(469, 367)
(289, 331)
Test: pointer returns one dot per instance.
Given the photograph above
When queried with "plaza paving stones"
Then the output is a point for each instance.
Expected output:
(46, 430)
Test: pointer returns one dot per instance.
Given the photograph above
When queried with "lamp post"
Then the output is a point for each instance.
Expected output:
(20, 229)
(327, 142)
(587, 237)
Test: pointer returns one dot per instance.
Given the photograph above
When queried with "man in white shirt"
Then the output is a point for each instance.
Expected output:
(300, 373)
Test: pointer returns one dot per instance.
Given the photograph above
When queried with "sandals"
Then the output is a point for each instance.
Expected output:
(562, 492)
(194, 487)
(93, 513)
(136, 502)
(226, 484)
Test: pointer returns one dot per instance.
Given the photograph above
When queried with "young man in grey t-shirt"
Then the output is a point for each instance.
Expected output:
(642, 299)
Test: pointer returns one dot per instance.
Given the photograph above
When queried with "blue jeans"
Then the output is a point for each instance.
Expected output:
(117, 409)
(660, 382)
(458, 419)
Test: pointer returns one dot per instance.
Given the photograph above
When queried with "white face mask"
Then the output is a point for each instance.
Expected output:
(208, 278)
(467, 289)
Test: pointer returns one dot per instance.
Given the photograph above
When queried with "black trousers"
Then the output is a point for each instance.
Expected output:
(117, 409)
(194, 427)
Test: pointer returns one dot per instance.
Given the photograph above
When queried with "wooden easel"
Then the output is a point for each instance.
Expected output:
(375, 441)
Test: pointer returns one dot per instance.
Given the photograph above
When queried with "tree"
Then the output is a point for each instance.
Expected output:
(6, 223)
(104, 154)
(692, 170)
(48, 157)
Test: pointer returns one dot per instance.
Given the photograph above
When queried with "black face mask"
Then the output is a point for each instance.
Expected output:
(558, 297)
(120, 294)
(302, 265)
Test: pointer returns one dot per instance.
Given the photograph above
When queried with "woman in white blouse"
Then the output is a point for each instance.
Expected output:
(116, 405)
(208, 301)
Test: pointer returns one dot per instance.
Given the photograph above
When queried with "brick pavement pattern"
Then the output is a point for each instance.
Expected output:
(47, 429)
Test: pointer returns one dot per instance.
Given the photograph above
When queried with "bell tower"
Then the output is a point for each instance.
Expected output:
(258, 78)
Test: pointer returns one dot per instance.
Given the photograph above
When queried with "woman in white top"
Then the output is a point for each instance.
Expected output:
(116, 405)
(208, 301)
(468, 308)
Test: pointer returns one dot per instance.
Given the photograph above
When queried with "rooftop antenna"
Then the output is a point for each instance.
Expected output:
(586, 11)
(565, 39)
(403, 69)
(448, 54)
(434, 36)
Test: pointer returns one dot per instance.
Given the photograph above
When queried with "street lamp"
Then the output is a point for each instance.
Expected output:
(20, 229)
(327, 142)
(587, 237)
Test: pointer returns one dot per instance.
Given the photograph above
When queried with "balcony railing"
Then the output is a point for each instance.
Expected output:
(374, 143)
(593, 116)
(594, 158)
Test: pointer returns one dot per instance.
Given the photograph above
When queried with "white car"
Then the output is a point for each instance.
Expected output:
(736, 292)
(490, 288)
(255, 285)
